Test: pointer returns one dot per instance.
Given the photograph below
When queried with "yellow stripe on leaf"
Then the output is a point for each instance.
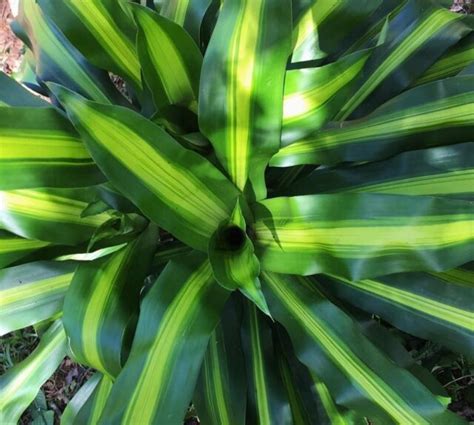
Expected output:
(353, 367)
(98, 20)
(143, 402)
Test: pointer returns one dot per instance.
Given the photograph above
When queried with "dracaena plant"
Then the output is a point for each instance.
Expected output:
(271, 176)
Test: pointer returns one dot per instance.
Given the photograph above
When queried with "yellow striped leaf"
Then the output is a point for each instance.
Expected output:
(32, 292)
(313, 96)
(13, 248)
(361, 377)
(57, 60)
(180, 311)
(267, 401)
(39, 148)
(427, 33)
(177, 188)
(103, 297)
(433, 114)
(101, 31)
(419, 303)
(451, 63)
(52, 215)
(21, 383)
(362, 235)
(320, 26)
(170, 58)
(188, 14)
(440, 171)
(241, 114)
(221, 392)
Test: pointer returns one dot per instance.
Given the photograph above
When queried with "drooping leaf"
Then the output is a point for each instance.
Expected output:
(101, 31)
(39, 148)
(241, 96)
(13, 248)
(451, 63)
(187, 13)
(52, 215)
(57, 60)
(171, 60)
(463, 275)
(267, 402)
(92, 408)
(417, 36)
(21, 383)
(313, 96)
(102, 302)
(440, 171)
(32, 292)
(14, 94)
(221, 391)
(359, 375)
(310, 399)
(418, 303)
(374, 30)
(74, 406)
(177, 318)
(362, 235)
(175, 187)
(321, 25)
(438, 113)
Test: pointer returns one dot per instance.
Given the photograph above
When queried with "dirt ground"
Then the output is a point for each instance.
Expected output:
(11, 48)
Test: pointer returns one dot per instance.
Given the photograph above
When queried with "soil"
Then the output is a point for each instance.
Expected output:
(11, 48)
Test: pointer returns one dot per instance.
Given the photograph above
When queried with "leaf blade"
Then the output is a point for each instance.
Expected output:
(373, 234)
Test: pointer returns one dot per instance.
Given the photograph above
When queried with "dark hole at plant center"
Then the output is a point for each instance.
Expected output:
(233, 238)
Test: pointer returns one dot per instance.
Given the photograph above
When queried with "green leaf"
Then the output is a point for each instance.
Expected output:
(103, 300)
(433, 114)
(233, 261)
(168, 251)
(39, 148)
(177, 317)
(417, 36)
(187, 13)
(310, 399)
(101, 31)
(14, 94)
(177, 188)
(89, 411)
(267, 400)
(32, 292)
(374, 30)
(418, 303)
(112, 197)
(362, 235)
(52, 215)
(57, 60)
(38, 410)
(21, 383)
(75, 405)
(171, 60)
(463, 275)
(320, 26)
(12, 247)
(241, 99)
(313, 96)
(221, 391)
(451, 63)
(359, 376)
(442, 171)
